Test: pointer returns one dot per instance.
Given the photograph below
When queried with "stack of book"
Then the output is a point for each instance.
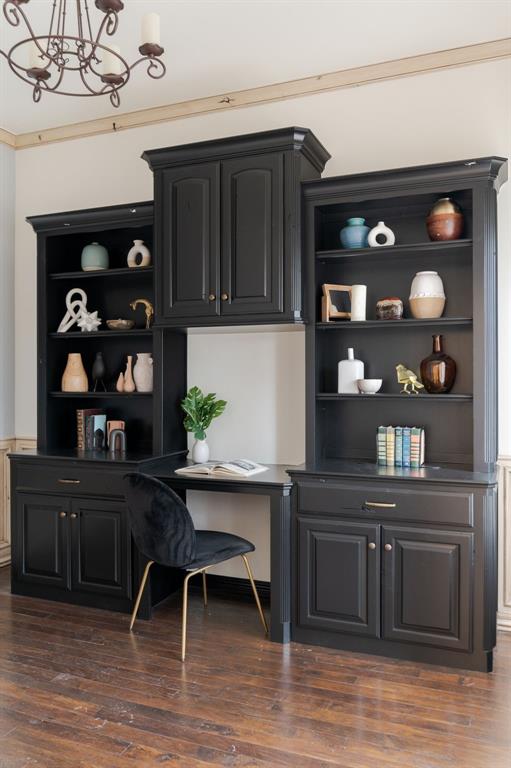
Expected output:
(400, 447)
(90, 429)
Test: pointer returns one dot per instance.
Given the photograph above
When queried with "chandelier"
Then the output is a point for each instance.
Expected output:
(96, 68)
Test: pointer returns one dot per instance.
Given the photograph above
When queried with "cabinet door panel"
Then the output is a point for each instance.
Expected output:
(252, 235)
(427, 586)
(100, 549)
(339, 576)
(190, 240)
(41, 555)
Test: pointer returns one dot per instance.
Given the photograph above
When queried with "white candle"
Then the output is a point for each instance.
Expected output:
(112, 65)
(34, 57)
(151, 28)
(358, 302)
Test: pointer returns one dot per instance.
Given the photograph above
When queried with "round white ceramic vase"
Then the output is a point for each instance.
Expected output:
(200, 452)
(143, 372)
(427, 296)
(139, 249)
(382, 230)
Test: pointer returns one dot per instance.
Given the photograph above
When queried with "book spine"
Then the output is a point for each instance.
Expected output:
(399, 447)
(390, 446)
(406, 447)
(415, 448)
(381, 446)
(80, 433)
(423, 447)
(89, 426)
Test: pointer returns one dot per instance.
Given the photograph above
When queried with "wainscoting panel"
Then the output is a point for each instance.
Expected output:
(504, 605)
(6, 445)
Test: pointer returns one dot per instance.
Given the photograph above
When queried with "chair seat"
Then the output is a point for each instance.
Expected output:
(215, 546)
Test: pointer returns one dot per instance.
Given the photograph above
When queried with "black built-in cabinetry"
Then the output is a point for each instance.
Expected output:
(384, 560)
(228, 227)
(389, 560)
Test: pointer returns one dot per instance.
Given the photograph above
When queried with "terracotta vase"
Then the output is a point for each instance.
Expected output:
(129, 384)
(143, 372)
(445, 220)
(74, 378)
(438, 370)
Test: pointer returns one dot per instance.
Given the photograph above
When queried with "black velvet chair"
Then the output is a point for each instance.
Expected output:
(164, 532)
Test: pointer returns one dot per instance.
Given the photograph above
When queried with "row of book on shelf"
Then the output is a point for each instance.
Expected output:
(90, 429)
(400, 447)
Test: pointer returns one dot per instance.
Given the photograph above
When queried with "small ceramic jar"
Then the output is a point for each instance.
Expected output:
(445, 220)
(380, 231)
(390, 308)
(427, 296)
(94, 256)
(354, 234)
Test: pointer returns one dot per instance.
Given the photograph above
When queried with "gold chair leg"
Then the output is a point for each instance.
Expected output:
(254, 590)
(140, 593)
(185, 608)
(204, 589)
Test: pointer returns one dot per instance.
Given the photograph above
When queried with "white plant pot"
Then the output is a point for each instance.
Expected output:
(200, 452)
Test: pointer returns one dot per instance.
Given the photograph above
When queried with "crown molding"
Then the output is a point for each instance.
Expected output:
(344, 78)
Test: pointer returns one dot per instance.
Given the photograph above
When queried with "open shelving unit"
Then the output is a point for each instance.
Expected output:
(153, 420)
(460, 426)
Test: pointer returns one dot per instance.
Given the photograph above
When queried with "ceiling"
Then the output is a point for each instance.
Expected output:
(214, 47)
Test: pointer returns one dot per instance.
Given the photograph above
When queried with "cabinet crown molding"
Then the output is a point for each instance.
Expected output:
(282, 139)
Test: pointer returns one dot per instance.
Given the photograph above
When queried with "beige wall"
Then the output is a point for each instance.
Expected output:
(437, 117)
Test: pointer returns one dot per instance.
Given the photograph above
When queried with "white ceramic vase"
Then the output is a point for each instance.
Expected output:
(139, 250)
(427, 296)
(358, 302)
(143, 372)
(382, 230)
(349, 372)
(200, 452)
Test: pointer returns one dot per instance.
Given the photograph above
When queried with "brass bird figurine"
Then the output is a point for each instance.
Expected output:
(409, 379)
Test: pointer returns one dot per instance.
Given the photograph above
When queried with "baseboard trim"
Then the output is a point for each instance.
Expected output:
(233, 587)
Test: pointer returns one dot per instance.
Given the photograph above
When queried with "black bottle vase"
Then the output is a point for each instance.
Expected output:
(99, 371)
(438, 370)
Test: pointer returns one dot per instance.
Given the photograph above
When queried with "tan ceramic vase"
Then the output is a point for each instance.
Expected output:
(129, 384)
(74, 378)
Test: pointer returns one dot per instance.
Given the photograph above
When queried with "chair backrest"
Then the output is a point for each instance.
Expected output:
(160, 521)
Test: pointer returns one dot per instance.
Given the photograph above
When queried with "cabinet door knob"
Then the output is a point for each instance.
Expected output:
(212, 297)
(372, 545)
(73, 515)
(388, 547)
(62, 514)
(224, 296)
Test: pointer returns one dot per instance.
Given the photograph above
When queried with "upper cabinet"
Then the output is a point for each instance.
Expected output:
(228, 228)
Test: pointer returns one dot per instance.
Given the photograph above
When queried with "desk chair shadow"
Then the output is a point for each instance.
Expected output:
(163, 531)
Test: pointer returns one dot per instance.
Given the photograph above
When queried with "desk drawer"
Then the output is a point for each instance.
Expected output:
(390, 503)
(70, 478)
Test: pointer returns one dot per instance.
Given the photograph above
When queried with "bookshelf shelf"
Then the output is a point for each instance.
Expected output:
(404, 251)
(99, 395)
(101, 334)
(385, 325)
(121, 272)
(424, 397)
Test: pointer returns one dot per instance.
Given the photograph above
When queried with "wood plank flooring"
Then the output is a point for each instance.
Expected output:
(78, 691)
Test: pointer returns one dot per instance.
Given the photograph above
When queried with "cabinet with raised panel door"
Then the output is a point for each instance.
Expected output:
(228, 227)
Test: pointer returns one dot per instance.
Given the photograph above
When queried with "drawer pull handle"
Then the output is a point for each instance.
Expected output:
(388, 547)
(66, 481)
(372, 545)
(381, 504)
(62, 514)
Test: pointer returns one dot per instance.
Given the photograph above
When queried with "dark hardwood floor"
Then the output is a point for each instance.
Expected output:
(76, 690)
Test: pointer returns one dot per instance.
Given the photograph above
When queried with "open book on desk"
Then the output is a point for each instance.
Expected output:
(234, 468)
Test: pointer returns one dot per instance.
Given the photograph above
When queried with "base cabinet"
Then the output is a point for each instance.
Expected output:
(396, 569)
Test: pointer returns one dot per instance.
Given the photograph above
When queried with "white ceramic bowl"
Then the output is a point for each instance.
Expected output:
(369, 386)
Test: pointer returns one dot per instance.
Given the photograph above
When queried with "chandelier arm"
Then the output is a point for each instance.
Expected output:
(15, 12)
(155, 67)
(50, 31)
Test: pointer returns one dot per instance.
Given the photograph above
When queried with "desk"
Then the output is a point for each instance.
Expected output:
(277, 485)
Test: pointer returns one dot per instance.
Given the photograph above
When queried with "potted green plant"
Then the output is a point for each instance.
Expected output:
(200, 411)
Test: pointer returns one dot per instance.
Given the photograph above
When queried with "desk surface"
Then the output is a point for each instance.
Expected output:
(274, 480)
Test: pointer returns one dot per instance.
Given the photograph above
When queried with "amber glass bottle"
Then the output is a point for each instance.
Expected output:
(438, 370)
